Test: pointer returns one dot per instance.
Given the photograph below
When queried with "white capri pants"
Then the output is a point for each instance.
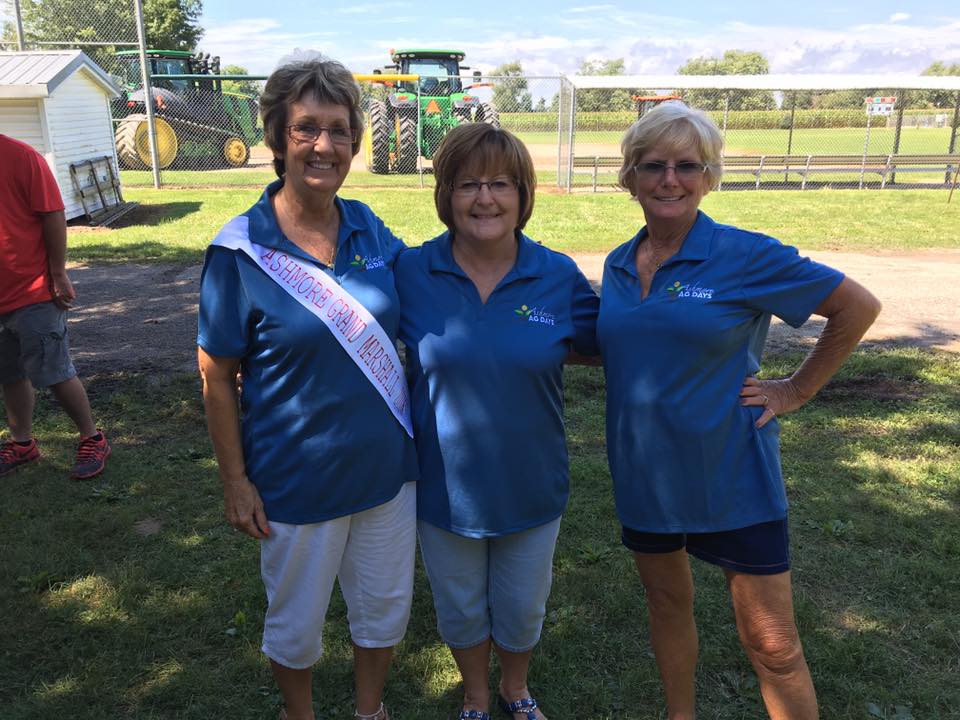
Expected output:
(372, 554)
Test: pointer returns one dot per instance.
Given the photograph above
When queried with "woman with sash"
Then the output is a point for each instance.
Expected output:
(316, 459)
(488, 317)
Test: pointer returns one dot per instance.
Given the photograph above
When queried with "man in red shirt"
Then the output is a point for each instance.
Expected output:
(35, 294)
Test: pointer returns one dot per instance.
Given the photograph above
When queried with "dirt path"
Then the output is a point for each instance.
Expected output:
(143, 318)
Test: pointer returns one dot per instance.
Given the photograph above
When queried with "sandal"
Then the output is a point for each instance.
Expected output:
(380, 714)
(473, 715)
(527, 706)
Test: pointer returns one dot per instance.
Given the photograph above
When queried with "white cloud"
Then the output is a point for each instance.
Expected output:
(899, 17)
(649, 44)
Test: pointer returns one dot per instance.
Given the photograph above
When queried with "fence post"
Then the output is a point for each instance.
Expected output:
(19, 19)
(953, 132)
(726, 114)
(573, 122)
(147, 92)
(793, 114)
(896, 133)
(559, 133)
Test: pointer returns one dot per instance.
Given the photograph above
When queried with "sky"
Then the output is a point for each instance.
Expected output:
(550, 38)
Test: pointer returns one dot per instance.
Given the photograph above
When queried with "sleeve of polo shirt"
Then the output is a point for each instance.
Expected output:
(779, 281)
(392, 245)
(223, 327)
(584, 308)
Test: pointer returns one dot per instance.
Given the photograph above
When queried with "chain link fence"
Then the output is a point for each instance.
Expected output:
(208, 132)
(776, 139)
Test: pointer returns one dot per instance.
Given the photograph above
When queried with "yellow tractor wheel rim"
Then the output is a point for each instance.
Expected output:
(368, 145)
(167, 145)
(235, 152)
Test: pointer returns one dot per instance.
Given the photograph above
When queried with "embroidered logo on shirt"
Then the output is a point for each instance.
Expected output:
(679, 290)
(363, 263)
(535, 315)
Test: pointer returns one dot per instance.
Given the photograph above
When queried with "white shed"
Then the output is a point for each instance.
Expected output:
(58, 101)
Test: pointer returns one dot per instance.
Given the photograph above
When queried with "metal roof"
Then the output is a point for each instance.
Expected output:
(770, 82)
(37, 74)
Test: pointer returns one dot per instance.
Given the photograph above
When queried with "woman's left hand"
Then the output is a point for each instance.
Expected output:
(776, 397)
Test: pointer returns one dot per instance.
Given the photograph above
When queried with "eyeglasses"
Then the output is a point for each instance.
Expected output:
(498, 187)
(311, 133)
(655, 170)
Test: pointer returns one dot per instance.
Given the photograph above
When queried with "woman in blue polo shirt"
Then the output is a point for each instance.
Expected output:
(488, 317)
(693, 447)
(319, 468)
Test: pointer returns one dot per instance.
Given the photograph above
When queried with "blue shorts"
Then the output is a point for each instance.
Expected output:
(494, 587)
(33, 344)
(762, 549)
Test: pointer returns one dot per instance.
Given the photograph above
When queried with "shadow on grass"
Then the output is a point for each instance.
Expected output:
(111, 616)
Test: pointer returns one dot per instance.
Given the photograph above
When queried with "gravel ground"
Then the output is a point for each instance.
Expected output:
(143, 317)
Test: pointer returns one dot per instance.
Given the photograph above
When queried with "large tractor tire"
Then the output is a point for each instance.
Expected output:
(377, 141)
(133, 142)
(236, 152)
(408, 146)
(488, 113)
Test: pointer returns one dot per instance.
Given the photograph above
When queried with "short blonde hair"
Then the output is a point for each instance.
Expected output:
(485, 149)
(679, 127)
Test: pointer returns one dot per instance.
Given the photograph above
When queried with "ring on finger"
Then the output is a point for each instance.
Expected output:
(766, 400)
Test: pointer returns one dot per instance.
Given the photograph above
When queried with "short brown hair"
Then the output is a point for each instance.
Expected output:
(322, 78)
(486, 149)
(678, 126)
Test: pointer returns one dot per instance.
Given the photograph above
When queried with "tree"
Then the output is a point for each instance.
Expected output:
(733, 62)
(597, 99)
(510, 90)
(243, 87)
(939, 98)
(170, 24)
(173, 24)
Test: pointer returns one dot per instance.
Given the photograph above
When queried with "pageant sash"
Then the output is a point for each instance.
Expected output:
(357, 331)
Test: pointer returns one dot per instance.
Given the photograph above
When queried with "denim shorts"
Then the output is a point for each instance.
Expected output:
(762, 549)
(33, 344)
(495, 587)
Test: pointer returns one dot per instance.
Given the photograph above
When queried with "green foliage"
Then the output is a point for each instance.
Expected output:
(939, 98)
(736, 120)
(603, 99)
(173, 24)
(244, 87)
(733, 62)
(170, 24)
(510, 90)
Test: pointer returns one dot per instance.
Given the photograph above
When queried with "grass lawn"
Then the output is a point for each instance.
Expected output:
(129, 597)
(176, 225)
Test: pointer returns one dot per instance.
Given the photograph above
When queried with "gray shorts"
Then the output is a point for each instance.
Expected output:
(33, 344)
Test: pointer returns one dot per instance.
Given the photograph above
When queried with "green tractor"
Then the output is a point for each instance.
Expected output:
(394, 139)
(196, 120)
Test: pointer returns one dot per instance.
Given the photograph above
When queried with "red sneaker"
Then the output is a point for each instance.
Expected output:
(92, 454)
(13, 455)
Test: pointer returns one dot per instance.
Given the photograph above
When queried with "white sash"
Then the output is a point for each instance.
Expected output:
(351, 323)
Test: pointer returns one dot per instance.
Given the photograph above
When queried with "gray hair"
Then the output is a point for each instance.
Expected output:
(316, 76)
(679, 127)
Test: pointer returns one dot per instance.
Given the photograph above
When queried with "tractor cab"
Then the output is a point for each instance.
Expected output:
(411, 119)
(439, 71)
(170, 62)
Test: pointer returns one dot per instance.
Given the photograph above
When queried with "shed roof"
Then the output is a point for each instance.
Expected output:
(37, 74)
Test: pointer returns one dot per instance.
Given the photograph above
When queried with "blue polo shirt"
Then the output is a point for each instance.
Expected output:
(319, 442)
(684, 453)
(486, 384)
